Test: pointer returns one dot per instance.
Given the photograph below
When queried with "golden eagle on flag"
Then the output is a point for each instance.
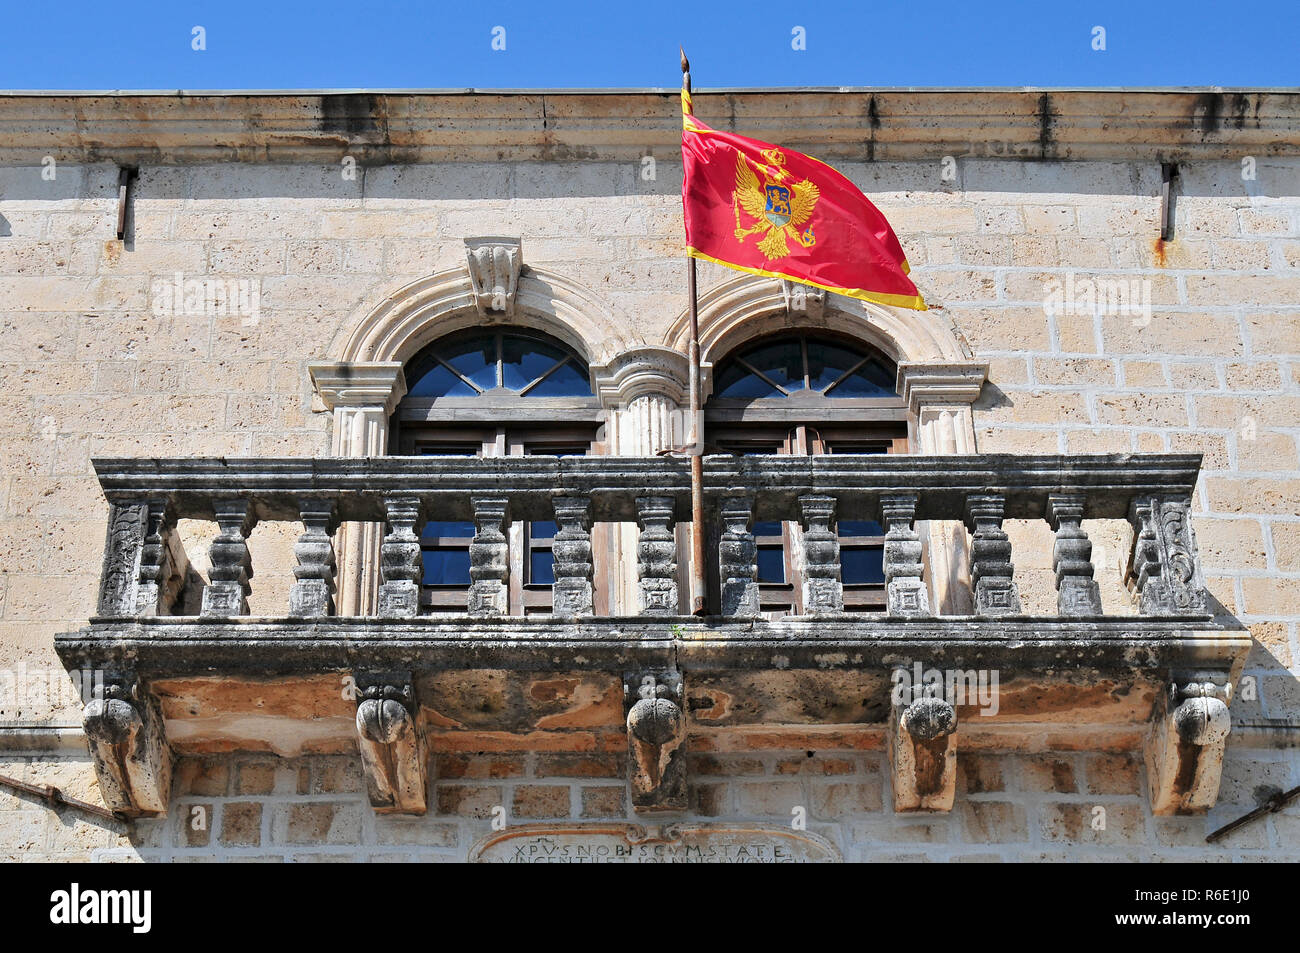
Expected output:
(812, 224)
(778, 207)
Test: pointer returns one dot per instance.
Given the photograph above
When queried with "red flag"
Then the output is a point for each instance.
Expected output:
(770, 211)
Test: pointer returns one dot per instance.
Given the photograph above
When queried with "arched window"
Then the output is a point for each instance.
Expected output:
(500, 392)
(810, 393)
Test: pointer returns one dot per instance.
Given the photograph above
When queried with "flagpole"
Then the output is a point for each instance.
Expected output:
(695, 437)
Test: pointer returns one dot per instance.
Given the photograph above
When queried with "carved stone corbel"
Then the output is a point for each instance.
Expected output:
(656, 740)
(494, 265)
(923, 751)
(124, 730)
(392, 743)
(1184, 751)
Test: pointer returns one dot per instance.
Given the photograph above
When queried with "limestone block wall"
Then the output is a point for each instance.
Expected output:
(88, 368)
(1063, 806)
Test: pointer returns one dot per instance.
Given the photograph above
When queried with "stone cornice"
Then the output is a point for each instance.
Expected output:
(381, 127)
(944, 384)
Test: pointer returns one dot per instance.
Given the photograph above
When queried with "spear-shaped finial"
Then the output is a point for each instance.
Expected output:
(686, 64)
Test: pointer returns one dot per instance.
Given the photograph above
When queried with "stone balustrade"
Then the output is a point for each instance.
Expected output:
(1153, 491)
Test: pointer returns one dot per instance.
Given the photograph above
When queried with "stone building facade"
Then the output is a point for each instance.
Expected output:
(222, 357)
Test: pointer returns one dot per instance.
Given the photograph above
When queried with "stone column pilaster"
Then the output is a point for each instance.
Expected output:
(362, 396)
(939, 398)
(644, 392)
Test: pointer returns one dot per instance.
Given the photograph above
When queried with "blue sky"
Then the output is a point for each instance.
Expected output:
(633, 43)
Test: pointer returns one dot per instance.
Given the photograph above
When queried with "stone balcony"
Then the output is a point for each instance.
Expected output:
(400, 685)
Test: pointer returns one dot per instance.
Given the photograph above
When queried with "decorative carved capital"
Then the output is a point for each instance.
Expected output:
(656, 736)
(923, 752)
(494, 266)
(1184, 752)
(376, 384)
(391, 742)
(954, 384)
(133, 762)
(651, 371)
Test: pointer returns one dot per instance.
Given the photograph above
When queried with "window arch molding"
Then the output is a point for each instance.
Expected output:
(747, 307)
(417, 314)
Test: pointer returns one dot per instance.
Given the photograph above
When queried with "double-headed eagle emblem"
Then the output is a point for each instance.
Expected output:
(778, 207)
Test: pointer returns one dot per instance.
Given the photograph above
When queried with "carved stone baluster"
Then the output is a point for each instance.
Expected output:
(1165, 562)
(154, 553)
(822, 589)
(124, 542)
(399, 559)
(905, 586)
(656, 552)
(737, 556)
(1076, 591)
(572, 592)
(228, 586)
(489, 563)
(991, 569)
(312, 594)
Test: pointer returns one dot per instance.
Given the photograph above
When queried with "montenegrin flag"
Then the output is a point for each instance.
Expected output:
(769, 211)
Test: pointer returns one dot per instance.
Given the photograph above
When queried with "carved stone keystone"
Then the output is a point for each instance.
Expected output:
(312, 594)
(822, 589)
(656, 736)
(923, 752)
(1184, 751)
(991, 570)
(399, 560)
(494, 266)
(392, 742)
(905, 587)
(572, 592)
(803, 300)
(489, 564)
(124, 730)
(656, 554)
(1165, 563)
(1077, 592)
(738, 555)
(228, 586)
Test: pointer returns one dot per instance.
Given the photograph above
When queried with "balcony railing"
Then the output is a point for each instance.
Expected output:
(1153, 492)
(1163, 674)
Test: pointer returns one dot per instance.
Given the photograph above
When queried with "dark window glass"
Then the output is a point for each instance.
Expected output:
(565, 381)
(767, 529)
(541, 567)
(526, 366)
(739, 383)
(524, 360)
(833, 369)
(862, 565)
(860, 528)
(543, 529)
(771, 564)
(446, 567)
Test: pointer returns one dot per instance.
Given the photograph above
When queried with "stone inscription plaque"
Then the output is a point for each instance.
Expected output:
(668, 844)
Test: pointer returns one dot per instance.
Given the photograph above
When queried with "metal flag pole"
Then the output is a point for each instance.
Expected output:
(695, 436)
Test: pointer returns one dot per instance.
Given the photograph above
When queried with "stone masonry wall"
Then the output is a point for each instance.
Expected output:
(87, 369)
(1010, 807)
